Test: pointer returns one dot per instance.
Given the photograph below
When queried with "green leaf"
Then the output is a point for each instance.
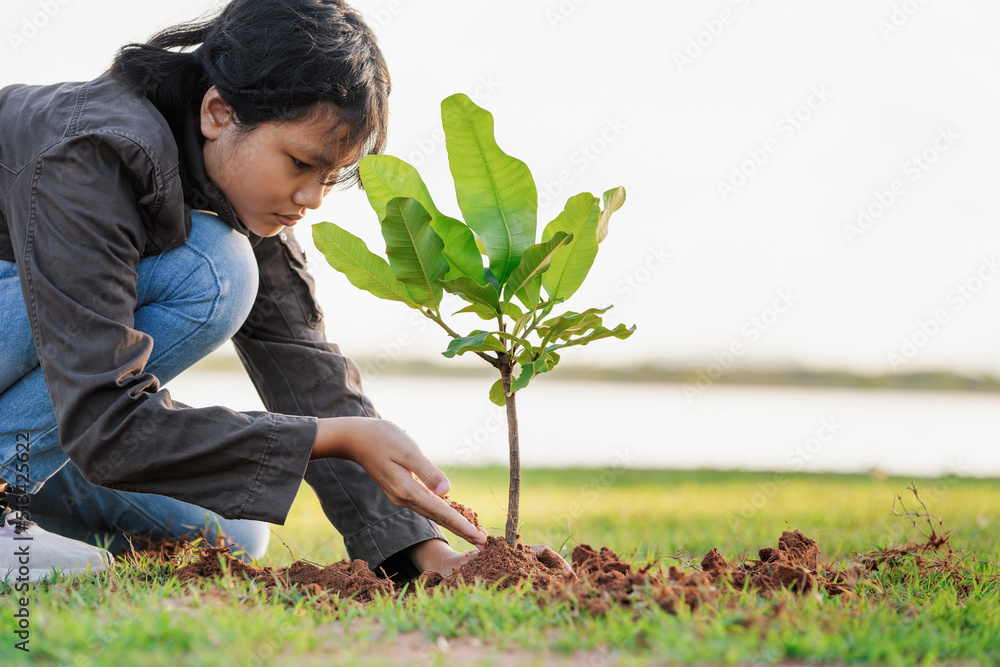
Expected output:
(620, 331)
(478, 341)
(386, 177)
(515, 339)
(521, 323)
(473, 292)
(531, 319)
(460, 249)
(569, 323)
(510, 310)
(492, 279)
(497, 394)
(534, 368)
(414, 250)
(525, 357)
(613, 200)
(527, 275)
(570, 265)
(495, 191)
(482, 311)
(349, 255)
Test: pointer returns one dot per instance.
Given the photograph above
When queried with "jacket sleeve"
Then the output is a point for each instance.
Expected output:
(87, 208)
(296, 371)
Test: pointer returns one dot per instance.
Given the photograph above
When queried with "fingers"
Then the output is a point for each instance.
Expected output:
(441, 512)
(431, 505)
(541, 548)
(432, 477)
(418, 497)
(410, 457)
(409, 479)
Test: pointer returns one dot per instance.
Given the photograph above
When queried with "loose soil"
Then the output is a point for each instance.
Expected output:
(464, 511)
(602, 580)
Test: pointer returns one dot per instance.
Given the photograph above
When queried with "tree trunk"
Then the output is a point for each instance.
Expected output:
(514, 491)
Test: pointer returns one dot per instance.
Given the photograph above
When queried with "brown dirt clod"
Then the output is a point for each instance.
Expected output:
(464, 511)
(602, 580)
(343, 578)
(498, 564)
(800, 550)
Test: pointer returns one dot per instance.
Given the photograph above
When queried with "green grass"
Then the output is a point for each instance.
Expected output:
(140, 616)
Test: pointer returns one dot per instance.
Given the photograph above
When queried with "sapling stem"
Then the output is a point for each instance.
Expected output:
(514, 496)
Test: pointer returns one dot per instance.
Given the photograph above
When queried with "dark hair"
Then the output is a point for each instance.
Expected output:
(272, 61)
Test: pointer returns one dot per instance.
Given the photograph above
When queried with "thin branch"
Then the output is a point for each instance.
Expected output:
(429, 314)
(493, 361)
(540, 313)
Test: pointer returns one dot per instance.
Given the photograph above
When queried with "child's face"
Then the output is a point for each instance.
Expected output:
(273, 173)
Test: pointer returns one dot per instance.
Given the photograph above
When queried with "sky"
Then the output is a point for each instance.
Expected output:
(809, 184)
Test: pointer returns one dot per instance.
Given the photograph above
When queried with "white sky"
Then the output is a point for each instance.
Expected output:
(559, 76)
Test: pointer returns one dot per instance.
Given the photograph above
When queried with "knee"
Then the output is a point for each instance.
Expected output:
(231, 260)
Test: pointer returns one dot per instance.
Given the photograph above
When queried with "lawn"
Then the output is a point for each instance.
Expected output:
(140, 616)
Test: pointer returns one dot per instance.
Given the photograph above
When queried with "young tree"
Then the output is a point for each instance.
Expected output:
(430, 253)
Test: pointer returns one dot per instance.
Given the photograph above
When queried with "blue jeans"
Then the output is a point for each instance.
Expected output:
(190, 300)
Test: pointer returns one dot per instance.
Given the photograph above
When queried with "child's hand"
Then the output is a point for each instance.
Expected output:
(397, 466)
(437, 556)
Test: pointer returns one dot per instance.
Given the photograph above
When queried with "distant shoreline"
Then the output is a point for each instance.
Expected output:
(930, 380)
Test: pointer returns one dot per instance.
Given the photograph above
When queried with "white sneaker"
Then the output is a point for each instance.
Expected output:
(29, 552)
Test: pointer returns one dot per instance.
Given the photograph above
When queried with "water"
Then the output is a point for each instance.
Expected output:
(597, 424)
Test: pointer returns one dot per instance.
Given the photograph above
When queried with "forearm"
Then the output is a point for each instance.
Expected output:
(360, 466)
(335, 439)
(298, 372)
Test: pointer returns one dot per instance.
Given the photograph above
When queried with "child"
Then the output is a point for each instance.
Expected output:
(147, 218)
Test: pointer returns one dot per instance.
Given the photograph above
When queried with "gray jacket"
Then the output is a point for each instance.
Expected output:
(95, 178)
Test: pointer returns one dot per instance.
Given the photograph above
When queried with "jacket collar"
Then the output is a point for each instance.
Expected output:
(200, 193)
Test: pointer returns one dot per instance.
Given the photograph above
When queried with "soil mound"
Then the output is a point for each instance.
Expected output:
(498, 565)
(602, 579)
(793, 565)
(344, 578)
